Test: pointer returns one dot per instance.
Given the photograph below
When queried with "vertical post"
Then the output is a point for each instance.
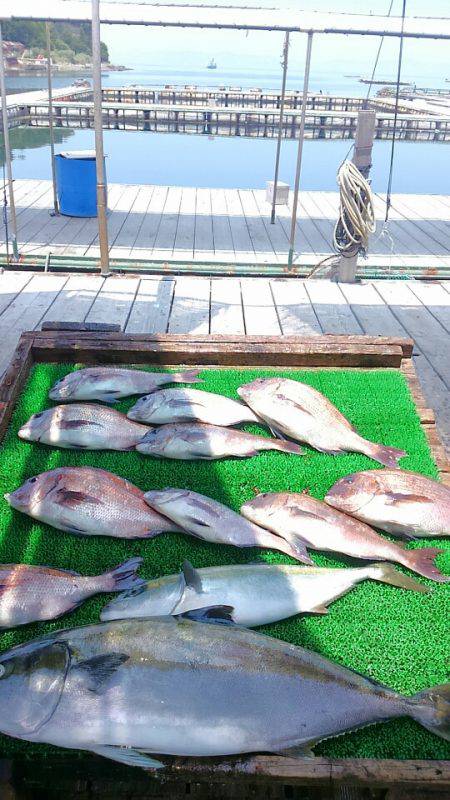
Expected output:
(50, 116)
(12, 205)
(98, 125)
(280, 124)
(362, 158)
(300, 148)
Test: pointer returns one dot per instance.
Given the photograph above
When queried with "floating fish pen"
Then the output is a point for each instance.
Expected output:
(393, 636)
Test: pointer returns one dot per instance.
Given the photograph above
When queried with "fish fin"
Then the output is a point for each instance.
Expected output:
(390, 499)
(66, 497)
(70, 528)
(422, 561)
(388, 456)
(123, 577)
(73, 424)
(319, 609)
(100, 669)
(295, 547)
(188, 376)
(277, 433)
(295, 404)
(386, 573)
(213, 615)
(192, 577)
(299, 750)
(108, 397)
(431, 708)
(127, 756)
(289, 447)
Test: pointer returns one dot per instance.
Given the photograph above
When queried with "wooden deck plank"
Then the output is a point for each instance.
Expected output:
(75, 299)
(226, 306)
(114, 301)
(145, 239)
(223, 240)
(295, 312)
(185, 233)
(84, 231)
(204, 237)
(125, 239)
(242, 242)
(436, 300)
(331, 307)
(262, 245)
(11, 284)
(151, 308)
(260, 314)
(190, 307)
(275, 231)
(167, 230)
(117, 219)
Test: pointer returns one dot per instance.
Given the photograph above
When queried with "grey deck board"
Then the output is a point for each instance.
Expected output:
(260, 312)
(151, 307)
(331, 307)
(190, 306)
(295, 310)
(227, 314)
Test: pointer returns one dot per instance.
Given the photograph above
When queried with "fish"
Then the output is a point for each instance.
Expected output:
(90, 501)
(31, 593)
(207, 519)
(321, 527)
(258, 594)
(83, 426)
(294, 409)
(400, 502)
(199, 441)
(110, 384)
(133, 690)
(190, 405)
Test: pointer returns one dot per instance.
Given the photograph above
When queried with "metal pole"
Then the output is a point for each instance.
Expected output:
(300, 148)
(50, 116)
(5, 125)
(98, 125)
(280, 124)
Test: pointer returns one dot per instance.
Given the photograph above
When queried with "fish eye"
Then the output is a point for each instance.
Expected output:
(32, 480)
(36, 416)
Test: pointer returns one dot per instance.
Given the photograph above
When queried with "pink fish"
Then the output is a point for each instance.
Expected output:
(111, 383)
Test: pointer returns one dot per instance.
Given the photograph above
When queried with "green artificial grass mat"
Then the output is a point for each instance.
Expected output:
(397, 637)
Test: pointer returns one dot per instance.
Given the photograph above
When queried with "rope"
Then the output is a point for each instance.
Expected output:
(394, 131)
(356, 212)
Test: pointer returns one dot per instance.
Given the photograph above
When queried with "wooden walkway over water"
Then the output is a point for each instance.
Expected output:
(229, 226)
(253, 306)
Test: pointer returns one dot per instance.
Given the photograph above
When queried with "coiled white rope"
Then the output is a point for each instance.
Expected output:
(356, 211)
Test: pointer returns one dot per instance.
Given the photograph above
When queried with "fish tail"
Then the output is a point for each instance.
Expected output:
(122, 577)
(422, 562)
(431, 708)
(386, 573)
(286, 447)
(388, 456)
(188, 376)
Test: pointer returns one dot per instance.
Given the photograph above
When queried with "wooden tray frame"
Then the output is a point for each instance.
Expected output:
(362, 352)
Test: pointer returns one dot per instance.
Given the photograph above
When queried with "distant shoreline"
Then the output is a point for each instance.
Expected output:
(63, 69)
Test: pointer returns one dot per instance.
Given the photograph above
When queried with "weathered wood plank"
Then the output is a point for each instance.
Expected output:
(331, 307)
(151, 308)
(11, 283)
(226, 306)
(185, 232)
(434, 297)
(114, 301)
(242, 242)
(204, 239)
(190, 307)
(223, 241)
(260, 314)
(167, 230)
(295, 312)
(75, 299)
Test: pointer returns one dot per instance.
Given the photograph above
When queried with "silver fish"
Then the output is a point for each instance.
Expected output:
(33, 593)
(294, 409)
(199, 441)
(109, 384)
(86, 500)
(206, 518)
(321, 527)
(190, 405)
(129, 689)
(258, 594)
(83, 426)
(400, 502)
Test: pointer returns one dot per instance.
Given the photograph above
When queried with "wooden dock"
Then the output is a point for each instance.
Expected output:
(252, 306)
(230, 226)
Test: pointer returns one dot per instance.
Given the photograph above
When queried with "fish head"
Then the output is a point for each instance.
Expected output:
(156, 598)
(258, 388)
(37, 426)
(262, 506)
(32, 493)
(69, 387)
(145, 405)
(156, 440)
(191, 511)
(351, 493)
(32, 679)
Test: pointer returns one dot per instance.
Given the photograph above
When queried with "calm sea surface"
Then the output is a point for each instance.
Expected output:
(188, 160)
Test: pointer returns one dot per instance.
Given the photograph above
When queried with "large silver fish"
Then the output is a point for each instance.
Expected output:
(297, 410)
(257, 593)
(321, 527)
(109, 384)
(400, 502)
(190, 405)
(132, 688)
(83, 426)
(206, 518)
(33, 593)
(199, 441)
(91, 501)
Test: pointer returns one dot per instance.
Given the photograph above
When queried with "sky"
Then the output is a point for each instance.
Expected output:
(259, 51)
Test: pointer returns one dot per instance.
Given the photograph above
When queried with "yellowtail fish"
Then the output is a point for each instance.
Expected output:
(109, 384)
(258, 594)
(83, 426)
(190, 405)
(131, 690)
(90, 501)
(400, 502)
(33, 593)
(321, 527)
(294, 409)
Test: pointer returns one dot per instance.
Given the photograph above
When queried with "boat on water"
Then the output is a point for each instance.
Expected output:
(212, 64)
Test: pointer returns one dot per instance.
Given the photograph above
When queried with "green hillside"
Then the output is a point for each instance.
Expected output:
(71, 42)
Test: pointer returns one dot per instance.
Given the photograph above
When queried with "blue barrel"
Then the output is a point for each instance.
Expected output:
(76, 183)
